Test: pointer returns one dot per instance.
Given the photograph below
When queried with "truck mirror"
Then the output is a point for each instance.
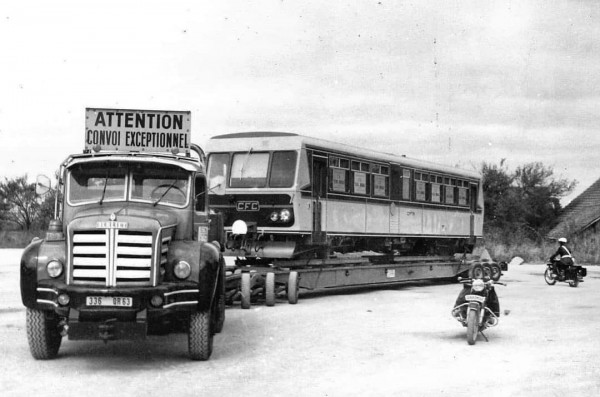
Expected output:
(42, 185)
(217, 186)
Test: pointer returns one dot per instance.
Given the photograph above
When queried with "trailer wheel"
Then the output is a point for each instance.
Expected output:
(42, 334)
(200, 336)
(476, 271)
(292, 288)
(487, 271)
(270, 289)
(496, 272)
(246, 291)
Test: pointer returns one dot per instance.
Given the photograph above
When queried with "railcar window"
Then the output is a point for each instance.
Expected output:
(462, 194)
(283, 169)
(360, 183)
(421, 187)
(436, 195)
(249, 170)
(406, 184)
(338, 180)
(449, 192)
(217, 169)
(380, 180)
(380, 185)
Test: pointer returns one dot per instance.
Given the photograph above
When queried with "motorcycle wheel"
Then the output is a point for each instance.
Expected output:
(472, 326)
(548, 277)
(574, 283)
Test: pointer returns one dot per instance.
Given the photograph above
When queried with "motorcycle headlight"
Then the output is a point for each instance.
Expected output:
(182, 270)
(478, 285)
(54, 268)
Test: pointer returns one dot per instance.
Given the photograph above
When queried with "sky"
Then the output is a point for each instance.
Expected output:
(454, 82)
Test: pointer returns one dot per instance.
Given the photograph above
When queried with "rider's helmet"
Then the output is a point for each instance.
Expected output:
(562, 240)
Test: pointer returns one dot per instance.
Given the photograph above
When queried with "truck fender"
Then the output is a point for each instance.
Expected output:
(29, 264)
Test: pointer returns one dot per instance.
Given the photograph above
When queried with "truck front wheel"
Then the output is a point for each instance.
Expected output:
(200, 336)
(43, 334)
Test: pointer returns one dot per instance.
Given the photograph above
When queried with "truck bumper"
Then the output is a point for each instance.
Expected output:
(108, 322)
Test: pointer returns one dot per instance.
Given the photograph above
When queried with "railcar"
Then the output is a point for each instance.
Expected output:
(292, 200)
(304, 196)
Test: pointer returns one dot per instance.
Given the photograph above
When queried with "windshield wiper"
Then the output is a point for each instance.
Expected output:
(165, 193)
(245, 162)
(104, 189)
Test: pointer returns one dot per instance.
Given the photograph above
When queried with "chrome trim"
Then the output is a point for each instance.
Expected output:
(180, 303)
(47, 290)
(183, 291)
(43, 301)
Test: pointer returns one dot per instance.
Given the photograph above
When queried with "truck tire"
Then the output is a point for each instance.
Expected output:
(200, 336)
(292, 288)
(246, 291)
(220, 307)
(270, 289)
(43, 334)
(472, 326)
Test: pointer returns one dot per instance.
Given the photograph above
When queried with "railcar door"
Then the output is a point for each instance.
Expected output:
(319, 195)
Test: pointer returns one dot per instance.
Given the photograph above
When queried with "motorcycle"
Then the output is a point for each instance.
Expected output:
(477, 307)
(572, 274)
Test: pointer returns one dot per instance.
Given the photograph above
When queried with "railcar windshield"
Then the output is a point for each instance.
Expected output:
(253, 169)
(109, 182)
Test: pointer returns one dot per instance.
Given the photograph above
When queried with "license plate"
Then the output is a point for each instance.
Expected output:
(119, 301)
(477, 298)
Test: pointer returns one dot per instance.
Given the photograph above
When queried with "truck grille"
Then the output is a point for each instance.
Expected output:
(113, 257)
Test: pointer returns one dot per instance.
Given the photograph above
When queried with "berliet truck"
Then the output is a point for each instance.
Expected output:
(133, 248)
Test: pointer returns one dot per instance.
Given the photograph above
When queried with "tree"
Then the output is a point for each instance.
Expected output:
(19, 202)
(541, 194)
(524, 202)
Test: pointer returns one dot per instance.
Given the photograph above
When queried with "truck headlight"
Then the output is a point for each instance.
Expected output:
(54, 268)
(182, 270)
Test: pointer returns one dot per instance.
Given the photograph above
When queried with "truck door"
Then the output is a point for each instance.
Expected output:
(319, 195)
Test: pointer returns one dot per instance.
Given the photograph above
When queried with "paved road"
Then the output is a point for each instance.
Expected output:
(398, 341)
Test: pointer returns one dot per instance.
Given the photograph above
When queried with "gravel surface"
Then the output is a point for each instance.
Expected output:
(393, 341)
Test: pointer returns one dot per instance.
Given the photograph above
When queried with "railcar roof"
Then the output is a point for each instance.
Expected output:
(277, 139)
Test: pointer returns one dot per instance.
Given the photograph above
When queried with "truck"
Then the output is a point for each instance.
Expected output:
(133, 248)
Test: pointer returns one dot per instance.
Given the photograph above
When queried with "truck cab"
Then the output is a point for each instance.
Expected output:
(133, 250)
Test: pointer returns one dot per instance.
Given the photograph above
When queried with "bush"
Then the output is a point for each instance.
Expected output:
(504, 245)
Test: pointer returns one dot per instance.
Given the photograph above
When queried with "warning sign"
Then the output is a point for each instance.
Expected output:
(137, 130)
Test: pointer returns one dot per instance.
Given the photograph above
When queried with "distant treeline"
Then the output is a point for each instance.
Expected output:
(521, 207)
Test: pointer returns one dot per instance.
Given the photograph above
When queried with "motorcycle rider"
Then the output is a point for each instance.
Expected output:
(566, 259)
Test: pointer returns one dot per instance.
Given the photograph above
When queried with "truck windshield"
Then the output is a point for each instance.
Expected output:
(160, 183)
(257, 170)
(142, 182)
(96, 184)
